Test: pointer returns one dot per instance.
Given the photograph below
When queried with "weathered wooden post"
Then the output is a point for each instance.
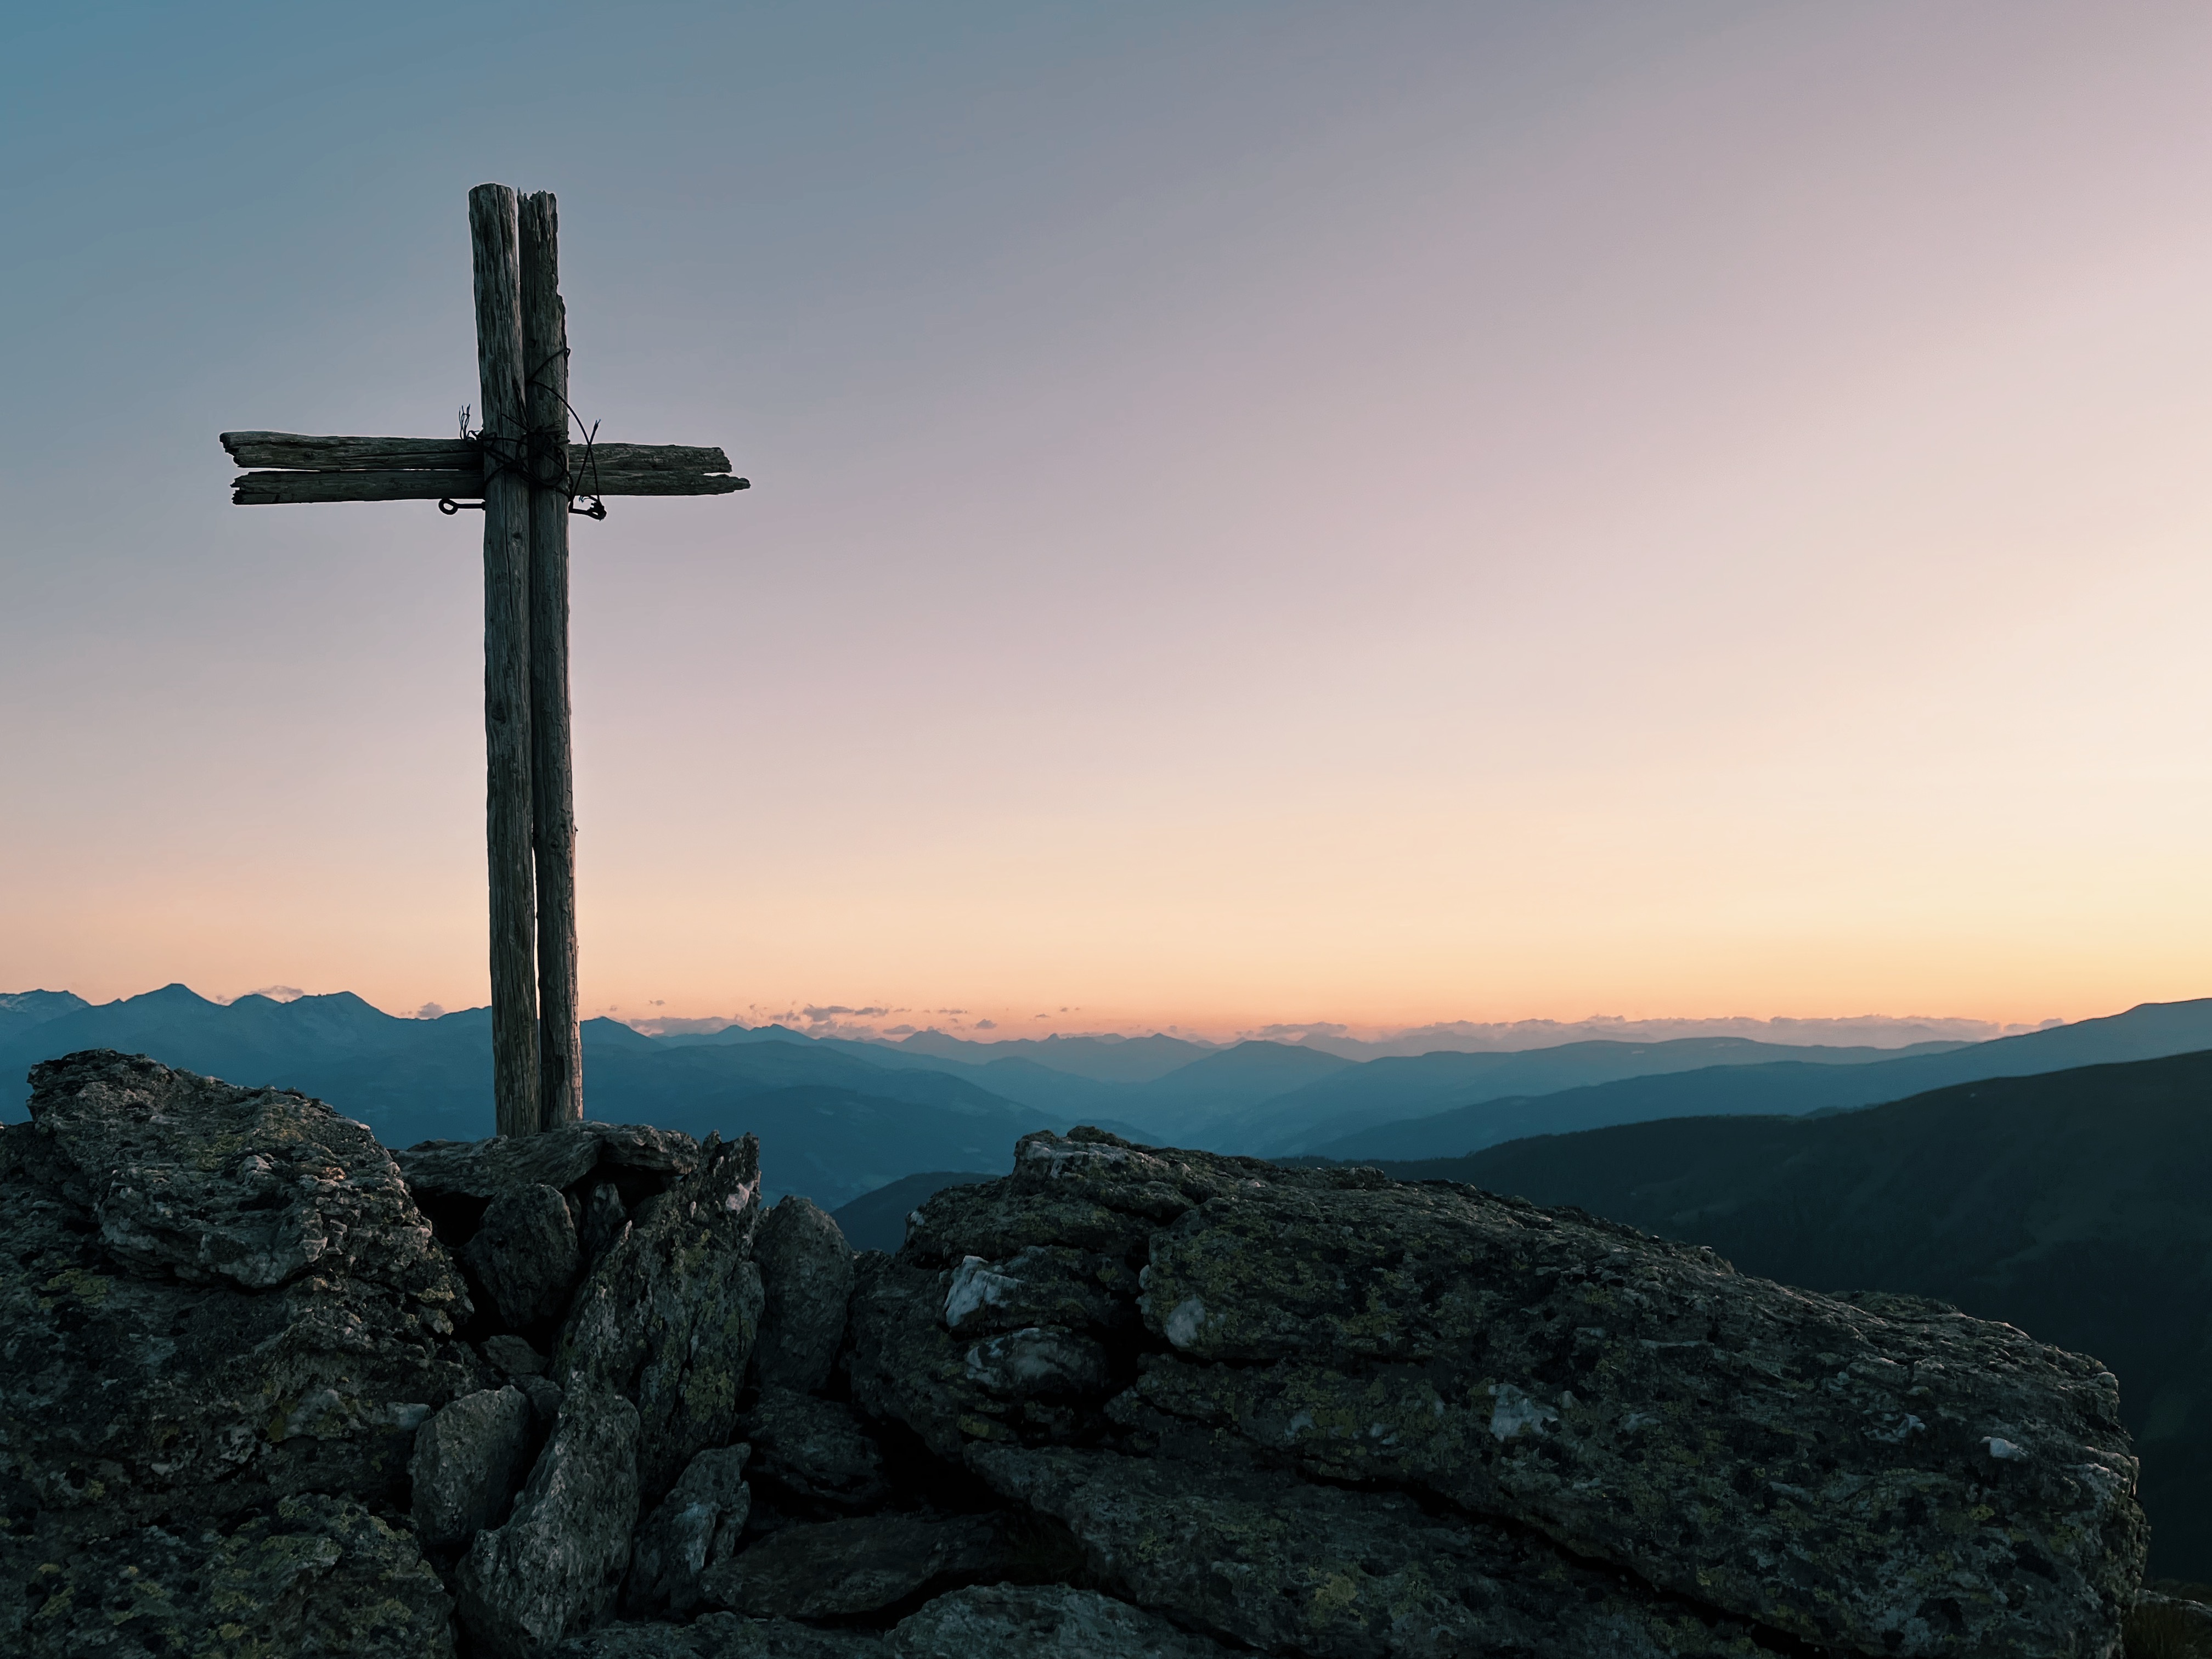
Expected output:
(545, 357)
(494, 237)
(518, 464)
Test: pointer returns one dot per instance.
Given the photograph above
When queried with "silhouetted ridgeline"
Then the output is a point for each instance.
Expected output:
(1784, 1085)
(866, 1114)
(2076, 1206)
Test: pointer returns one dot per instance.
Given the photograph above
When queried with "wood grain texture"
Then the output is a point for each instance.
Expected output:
(299, 449)
(292, 489)
(616, 469)
(284, 488)
(665, 484)
(493, 239)
(658, 458)
(545, 351)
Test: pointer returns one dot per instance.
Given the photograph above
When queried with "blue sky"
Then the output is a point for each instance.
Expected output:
(1261, 514)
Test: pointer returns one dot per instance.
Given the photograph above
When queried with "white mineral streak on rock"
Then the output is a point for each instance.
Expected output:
(1516, 1412)
(1035, 1360)
(975, 1286)
(1185, 1322)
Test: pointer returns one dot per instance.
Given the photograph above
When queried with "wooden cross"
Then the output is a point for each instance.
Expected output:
(523, 470)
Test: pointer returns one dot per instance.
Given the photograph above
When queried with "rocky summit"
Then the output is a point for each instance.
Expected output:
(268, 1388)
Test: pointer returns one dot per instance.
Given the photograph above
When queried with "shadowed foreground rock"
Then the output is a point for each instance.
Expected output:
(466, 1465)
(553, 1568)
(524, 1254)
(815, 1456)
(213, 1301)
(1284, 1565)
(1127, 1401)
(806, 1279)
(1882, 1477)
(995, 1622)
(700, 1523)
(667, 1319)
(837, 1569)
(316, 1575)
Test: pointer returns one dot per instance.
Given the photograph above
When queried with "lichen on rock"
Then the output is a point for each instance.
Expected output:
(1125, 1401)
(669, 1317)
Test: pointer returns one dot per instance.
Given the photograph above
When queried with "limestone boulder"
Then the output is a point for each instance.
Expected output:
(806, 1279)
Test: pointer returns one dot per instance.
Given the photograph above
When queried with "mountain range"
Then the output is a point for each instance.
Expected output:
(1765, 1084)
(2073, 1204)
(842, 1117)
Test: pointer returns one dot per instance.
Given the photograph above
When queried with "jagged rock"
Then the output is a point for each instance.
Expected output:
(991, 1321)
(835, 1569)
(524, 1254)
(127, 1399)
(317, 1574)
(559, 1157)
(814, 1451)
(1881, 1477)
(464, 1467)
(806, 1279)
(699, 1523)
(723, 1635)
(1306, 1412)
(1872, 1479)
(513, 1356)
(1046, 1621)
(191, 1177)
(1041, 1284)
(668, 1319)
(1265, 1558)
(1041, 1381)
(555, 1565)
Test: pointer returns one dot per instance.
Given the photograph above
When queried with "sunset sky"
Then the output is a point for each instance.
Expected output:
(1261, 513)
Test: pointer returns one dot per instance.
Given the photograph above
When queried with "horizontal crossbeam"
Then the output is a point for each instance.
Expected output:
(316, 469)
